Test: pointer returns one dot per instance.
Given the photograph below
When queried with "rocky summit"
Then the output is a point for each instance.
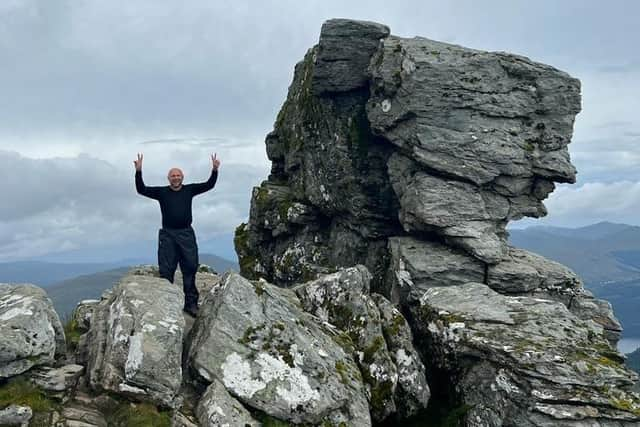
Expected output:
(377, 286)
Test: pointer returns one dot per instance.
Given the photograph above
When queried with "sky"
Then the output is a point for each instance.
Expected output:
(88, 84)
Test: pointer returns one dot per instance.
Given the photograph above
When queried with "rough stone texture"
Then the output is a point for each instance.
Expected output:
(30, 331)
(344, 51)
(14, 415)
(218, 409)
(412, 393)
(524, 361)
(82, 314)
(136, 340)
(416, 265)
(78, 415)
(475, 121)
(255, 339)
(343, 300)
(328, 201)
(523, 272)
(57, 379)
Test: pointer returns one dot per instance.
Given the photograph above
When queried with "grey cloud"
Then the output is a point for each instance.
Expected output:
(63, 204)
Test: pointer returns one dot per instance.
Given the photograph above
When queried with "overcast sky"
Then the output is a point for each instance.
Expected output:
(87, 84)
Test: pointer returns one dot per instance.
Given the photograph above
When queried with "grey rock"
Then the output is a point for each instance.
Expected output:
(136, 341)
(30, 331)
(412, 393)
(80, 415)
(467, 217)
(586, 307)
(82, 314)
(181, 420)
(522, 271)
(218, 409)
(416, 265)
(57, 379)
(342, 299)
(268, 353)
(521, 359)
(15, 415)
(471, 114)
(344, 51)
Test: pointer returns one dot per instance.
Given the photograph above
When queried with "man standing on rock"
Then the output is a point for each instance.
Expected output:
(176, 238)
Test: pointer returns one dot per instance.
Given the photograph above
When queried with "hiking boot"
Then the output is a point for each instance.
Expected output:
(191, 310)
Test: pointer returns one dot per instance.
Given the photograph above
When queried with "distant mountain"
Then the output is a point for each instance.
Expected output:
(600, 253)
(605, 255)
(47, 273)
(66, 294)
(633, 360)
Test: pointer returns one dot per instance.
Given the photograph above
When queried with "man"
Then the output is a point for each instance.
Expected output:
(176, 238)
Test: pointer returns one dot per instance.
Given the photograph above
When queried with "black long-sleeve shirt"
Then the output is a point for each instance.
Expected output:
(175, 205)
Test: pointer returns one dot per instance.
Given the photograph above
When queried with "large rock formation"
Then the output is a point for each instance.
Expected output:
(411, 156)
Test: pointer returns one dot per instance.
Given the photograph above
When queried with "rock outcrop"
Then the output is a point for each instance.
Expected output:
(30, 331)
(136, 340)
(413, 166)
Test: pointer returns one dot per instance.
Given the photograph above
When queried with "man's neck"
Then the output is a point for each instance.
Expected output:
(176, 188)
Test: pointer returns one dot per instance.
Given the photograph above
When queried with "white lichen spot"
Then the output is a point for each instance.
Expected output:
(386, 106)
(298, 357)
(456, 325)
(130, 389)
(322, 353)
(137, 302)
(236, 376)
(502, 381)
(10, 300)
(148, 327)
(542, 395)
(134, 358)
(324, 193)
(402, 358)
(293, 385)
(14, 312)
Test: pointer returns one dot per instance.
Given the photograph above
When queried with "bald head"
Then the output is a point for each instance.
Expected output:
(175, 177)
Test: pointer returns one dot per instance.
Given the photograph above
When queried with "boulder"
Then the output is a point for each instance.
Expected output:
(217, 408)
(255, 339)
(136, 340)
(524, 360)
(30, 331)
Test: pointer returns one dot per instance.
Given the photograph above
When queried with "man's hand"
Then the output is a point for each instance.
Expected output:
(215, 163)
(138, 163)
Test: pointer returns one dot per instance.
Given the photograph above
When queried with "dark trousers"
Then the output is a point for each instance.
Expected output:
(179, 246)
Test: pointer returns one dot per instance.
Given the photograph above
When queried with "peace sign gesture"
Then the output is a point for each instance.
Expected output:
(138, 163)
(215, 163)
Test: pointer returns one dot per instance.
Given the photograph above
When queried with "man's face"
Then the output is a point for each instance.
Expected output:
(175, 177)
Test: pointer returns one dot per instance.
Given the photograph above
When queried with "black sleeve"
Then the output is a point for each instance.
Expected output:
(201, 187)
(151, 192)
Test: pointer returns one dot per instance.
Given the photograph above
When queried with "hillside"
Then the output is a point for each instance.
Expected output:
(66, 294)
(599, 253)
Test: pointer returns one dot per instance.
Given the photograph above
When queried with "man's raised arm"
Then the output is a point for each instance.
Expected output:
(201, 187)
(151, 192)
